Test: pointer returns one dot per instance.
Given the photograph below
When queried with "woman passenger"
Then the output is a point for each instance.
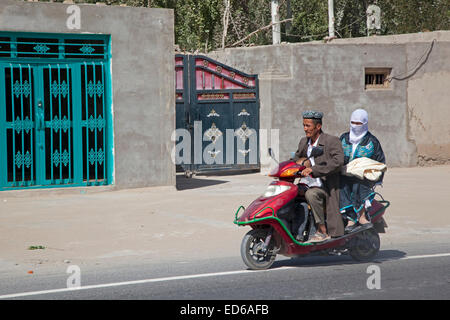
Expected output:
(356, 195)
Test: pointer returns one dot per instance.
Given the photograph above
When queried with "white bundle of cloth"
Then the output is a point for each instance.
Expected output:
(364, 168)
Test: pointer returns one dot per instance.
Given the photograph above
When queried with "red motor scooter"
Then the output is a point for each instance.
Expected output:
(282, 222)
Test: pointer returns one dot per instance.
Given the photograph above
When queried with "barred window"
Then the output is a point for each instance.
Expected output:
(377, 78)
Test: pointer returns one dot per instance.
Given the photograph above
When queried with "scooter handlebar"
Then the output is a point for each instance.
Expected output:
(299, 173)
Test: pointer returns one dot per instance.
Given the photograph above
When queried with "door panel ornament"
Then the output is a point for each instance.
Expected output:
(213, 113)
(25, 124)
(96, 124)
(213, 133)
(243, 113)
(243, 132)
(244, 152)
(95, 89)
(96, 156)
(23, 159)
(87, 49)
(60, 124)
(62, 158)
(41, 48)
(59, 89)
(22, 89)
(213, 154)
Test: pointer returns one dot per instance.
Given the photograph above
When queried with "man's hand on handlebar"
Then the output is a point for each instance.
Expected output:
(306, 172)
(304, 162)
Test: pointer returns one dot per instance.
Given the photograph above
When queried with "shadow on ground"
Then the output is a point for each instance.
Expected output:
(308, 261)
(184, 183)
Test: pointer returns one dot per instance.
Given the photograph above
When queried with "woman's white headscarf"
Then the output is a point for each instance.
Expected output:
(357, 132)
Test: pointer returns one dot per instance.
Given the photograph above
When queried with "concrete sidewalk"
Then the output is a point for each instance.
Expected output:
(91, 226)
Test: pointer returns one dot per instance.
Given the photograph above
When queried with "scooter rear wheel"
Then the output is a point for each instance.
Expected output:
(252, 250)
(365, 245)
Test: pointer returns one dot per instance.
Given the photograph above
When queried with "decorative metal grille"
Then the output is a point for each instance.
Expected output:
(52, 46)
(17, 121)
(53, 115)
(58, 119)
(93, 122)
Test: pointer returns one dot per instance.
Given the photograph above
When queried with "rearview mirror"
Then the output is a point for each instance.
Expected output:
(271, 154)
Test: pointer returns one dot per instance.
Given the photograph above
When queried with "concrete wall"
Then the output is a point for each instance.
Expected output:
(142, 79)
(429, 99)
(330, 77)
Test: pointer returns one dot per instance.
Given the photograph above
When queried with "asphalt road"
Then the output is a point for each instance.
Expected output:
(418, 270)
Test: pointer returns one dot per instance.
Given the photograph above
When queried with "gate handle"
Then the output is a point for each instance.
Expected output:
(40, 123)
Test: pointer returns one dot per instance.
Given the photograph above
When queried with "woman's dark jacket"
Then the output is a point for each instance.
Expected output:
(368, 147)
(353, 192)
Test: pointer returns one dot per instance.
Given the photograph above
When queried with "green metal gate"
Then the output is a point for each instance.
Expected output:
(55, 111)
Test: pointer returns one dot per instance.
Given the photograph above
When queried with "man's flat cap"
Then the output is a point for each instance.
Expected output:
(310, 114)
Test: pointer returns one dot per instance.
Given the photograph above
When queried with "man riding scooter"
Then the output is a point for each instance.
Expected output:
(323, 192)
(280, 220)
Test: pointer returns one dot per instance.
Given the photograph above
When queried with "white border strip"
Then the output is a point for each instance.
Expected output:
(437, 255)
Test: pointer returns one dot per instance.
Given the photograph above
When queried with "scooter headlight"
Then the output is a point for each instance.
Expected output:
(274, 190)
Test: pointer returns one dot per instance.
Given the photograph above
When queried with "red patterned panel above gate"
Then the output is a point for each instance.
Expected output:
(214, 76)
(213, 96)
(179, 77)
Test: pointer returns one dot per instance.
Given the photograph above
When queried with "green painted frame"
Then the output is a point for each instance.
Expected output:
(75, 63)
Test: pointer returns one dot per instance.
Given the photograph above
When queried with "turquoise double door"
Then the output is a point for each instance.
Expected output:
(53, 124)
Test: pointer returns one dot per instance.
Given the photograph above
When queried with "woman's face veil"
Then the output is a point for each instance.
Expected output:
(358, 131)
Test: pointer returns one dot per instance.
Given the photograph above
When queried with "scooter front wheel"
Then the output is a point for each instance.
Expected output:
(253, 251)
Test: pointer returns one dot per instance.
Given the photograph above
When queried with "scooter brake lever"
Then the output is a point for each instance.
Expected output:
(298, 173)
